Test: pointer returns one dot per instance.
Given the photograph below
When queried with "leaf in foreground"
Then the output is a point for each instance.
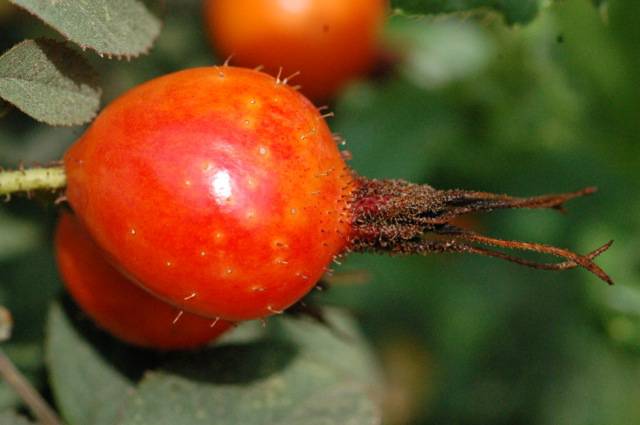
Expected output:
(87, 384)
(297, 373)
(114, 27)
(50, 82)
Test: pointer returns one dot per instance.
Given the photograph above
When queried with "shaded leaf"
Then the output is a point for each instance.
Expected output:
(88, 385)
(442, 52)
(514, 11)
(37, 145)
(388, 142)
(8, 397)
(4, 108)
(17, 236)
(297, 373)
(11, 418)
(50, 82)
(115, 27)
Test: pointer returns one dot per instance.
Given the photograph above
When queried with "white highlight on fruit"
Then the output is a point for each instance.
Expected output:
(221, 186)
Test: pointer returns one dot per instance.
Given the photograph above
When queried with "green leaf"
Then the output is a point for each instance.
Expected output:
(442, 52)
(514, 11)
(50, 82)
(8, 397)
(88, 376)
(4, 108)
(11, 418)
(386, 140)
(115, 27)
(298, 373)
(17, 235)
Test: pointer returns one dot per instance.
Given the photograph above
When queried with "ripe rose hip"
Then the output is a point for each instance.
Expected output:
(221, 190)
(329, 41)
(119, 306)
(218, 189)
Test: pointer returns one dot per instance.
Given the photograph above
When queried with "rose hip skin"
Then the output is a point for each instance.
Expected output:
(119, 306)
(329, 41)
(218, 189)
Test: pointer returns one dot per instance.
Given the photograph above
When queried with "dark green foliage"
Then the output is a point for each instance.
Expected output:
(292, 372)
(50, 82)
(125, 28)
(514, 11)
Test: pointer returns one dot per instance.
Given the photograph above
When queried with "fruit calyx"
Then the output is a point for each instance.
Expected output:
(398, 217)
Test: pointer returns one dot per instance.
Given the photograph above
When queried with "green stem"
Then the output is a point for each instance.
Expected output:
(45, 178)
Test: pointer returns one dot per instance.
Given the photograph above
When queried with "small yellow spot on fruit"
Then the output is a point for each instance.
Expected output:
(132, 231)
(207, 166)
(253, 101)
(312, 132)
(325, 173)
(187, 182)
(218, 235)
(203, 253)
(263, 150)
(293, 211)
(251, 183)
(228, 271)
(251, 214)
(257, 288)
(168, 264)
(281, 261)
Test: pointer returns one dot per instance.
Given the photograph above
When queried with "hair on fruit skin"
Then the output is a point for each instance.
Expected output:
(221, 190)
(117, 305)
(329, 42)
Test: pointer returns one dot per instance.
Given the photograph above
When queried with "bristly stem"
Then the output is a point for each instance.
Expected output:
(32, 179)
(399, 217)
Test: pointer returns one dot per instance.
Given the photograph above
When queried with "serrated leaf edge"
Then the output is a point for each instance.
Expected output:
(109, 55)
(93, 75)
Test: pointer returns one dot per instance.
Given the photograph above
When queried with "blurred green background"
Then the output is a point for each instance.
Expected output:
(550, 106)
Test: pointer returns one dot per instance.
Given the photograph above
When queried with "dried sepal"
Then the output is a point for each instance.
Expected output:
(399, 217)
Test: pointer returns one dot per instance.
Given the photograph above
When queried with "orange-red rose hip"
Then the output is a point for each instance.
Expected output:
(329, 41)
(218, 189)
(117, 305)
